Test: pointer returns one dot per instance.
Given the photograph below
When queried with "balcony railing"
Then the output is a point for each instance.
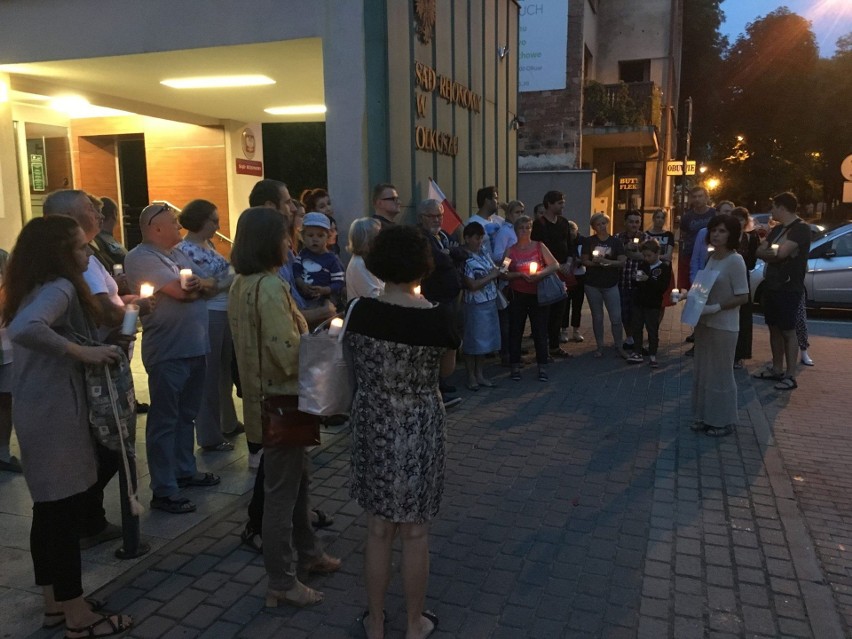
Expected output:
(622, 104)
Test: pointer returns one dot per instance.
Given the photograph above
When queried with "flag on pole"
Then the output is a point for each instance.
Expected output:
(451, 219)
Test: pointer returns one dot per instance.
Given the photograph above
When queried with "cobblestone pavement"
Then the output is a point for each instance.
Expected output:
(584, 507)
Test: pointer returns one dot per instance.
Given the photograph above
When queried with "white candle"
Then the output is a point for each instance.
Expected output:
(146, 290)
(533, 268)
(710, 249)
(417, 289)
(596, 253)
(185, 274)
(117, 269)
(131, 313)
(507, 261)
(335, 327)
(636, 241)
(675, 296)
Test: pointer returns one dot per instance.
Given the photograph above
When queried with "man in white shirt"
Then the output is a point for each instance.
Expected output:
(488, 203)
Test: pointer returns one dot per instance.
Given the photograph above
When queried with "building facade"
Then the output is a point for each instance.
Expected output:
(605, 130)
(407, 89)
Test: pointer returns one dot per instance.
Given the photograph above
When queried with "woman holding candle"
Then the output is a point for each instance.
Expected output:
(217, 418)
(531, 262)
(481, 324)
(47, 308)
(266, 325)
(714, 389)
(398, 342)
(604, 257)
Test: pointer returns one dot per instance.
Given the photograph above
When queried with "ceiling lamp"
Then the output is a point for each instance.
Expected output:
(305, 109)
(218, 82)
(78, 107)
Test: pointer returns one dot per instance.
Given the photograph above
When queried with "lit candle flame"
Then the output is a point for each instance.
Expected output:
(533, 268)
(146, 290)
(417, 290)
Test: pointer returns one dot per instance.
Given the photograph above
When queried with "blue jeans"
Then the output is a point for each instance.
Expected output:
(175, 386)
(597, 297)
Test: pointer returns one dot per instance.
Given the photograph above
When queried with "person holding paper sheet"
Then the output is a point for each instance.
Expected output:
(714, 389)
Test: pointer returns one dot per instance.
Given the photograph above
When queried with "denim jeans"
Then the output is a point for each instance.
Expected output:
(175, 387)
(597, 298)
(217, 414)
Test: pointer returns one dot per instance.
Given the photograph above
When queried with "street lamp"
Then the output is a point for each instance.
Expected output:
(712, 184)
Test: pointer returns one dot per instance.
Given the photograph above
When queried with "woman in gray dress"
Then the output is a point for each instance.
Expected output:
(47, 306)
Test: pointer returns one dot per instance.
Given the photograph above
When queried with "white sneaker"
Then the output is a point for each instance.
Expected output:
(254, 460)
(806, 358)
(563, 336)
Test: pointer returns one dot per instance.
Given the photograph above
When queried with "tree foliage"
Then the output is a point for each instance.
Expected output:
(701, 72)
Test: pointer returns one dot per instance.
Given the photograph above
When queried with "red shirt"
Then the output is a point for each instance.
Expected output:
(521, 258)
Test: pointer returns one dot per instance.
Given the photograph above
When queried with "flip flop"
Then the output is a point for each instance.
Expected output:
(366, 614)
(768, 374)
(205, 479)
(786, 383)
(305, 598)
(175, 506)
(431, 616)
(719, 431)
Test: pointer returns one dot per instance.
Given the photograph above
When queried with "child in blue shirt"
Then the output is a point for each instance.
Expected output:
(317, 271)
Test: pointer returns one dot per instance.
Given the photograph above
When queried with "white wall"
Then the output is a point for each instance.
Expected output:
(10, 200)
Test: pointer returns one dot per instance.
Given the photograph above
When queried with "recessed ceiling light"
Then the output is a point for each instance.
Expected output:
(78, 107)
(305, 109)
(218, 81)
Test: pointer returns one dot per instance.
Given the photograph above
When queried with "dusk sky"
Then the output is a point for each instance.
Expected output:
(831, 18)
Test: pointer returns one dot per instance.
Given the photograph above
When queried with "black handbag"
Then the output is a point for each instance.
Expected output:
(551, 289)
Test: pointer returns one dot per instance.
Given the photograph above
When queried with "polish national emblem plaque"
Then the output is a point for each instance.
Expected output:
(424, 11)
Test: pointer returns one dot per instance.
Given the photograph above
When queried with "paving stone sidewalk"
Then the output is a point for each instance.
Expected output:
(584, 507)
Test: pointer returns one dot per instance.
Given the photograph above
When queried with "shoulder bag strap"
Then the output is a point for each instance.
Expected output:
(257, 316)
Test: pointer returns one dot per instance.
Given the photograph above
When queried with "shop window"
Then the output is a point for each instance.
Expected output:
(588, 61)
(634, 70)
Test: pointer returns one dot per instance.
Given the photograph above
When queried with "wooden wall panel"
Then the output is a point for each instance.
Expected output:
(97, 167)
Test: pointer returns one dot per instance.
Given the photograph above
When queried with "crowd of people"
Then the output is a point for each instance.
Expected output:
(427, 291)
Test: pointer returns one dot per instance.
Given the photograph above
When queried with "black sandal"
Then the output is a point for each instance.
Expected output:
(719, 431)
(123, 625)
(324, 520)
(94, 604)
(252, 538)
(175, 506)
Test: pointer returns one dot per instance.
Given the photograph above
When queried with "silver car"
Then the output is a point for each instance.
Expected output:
(828, 281)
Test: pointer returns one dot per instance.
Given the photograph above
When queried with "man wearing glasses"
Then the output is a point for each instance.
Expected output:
(174, 346)
(385, 205)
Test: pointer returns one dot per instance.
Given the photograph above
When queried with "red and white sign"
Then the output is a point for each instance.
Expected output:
(249, 167)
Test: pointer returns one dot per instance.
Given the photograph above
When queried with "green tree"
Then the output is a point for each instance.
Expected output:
(768, 128)
(701, 72)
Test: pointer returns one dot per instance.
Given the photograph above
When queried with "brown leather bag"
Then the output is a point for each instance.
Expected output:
(285, 425)
(282, 422)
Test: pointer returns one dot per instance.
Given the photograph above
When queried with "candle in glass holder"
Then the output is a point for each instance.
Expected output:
(146, 290)
(775, 248)
(117, 269)
(185, 274)
(710, 249)
(675, 296)
(335, 327)
(635, 242)
(417, 289)
(596, 253)
(533, 268)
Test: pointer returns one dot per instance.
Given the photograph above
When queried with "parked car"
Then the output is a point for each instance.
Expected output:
(828, 280)
(763, 222)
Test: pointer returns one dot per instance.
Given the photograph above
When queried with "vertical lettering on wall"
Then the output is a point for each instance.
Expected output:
(421, 105)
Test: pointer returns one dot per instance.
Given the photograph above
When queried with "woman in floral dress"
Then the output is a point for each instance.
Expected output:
(398, 422)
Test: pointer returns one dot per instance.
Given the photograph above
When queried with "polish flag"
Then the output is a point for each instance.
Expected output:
(451, 219)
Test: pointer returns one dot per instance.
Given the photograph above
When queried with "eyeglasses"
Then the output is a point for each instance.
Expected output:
(163, 208)
(434, 216)
(390, 199)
